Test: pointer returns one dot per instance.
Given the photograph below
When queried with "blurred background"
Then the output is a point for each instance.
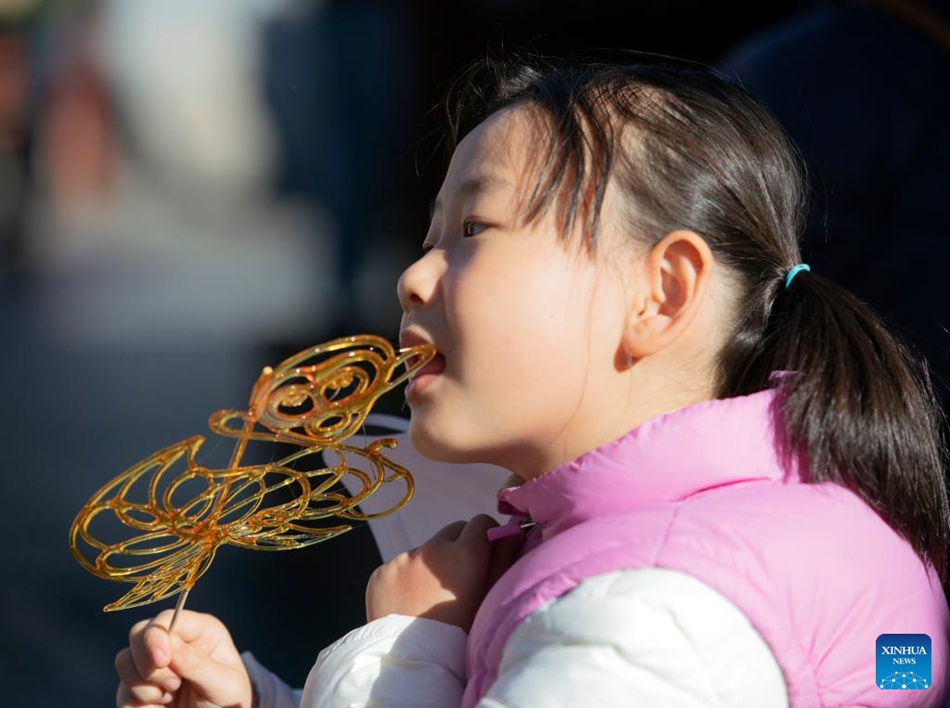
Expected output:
(192, 190)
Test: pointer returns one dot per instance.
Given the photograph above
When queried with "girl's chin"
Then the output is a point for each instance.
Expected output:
(431, 444)
(428, 445)
(451, 451)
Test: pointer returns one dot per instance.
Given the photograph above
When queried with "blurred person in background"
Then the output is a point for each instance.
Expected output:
(18, 58)
(864, 89)
(151, 268)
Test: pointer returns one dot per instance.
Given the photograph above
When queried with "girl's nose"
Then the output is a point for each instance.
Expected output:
(418, 283)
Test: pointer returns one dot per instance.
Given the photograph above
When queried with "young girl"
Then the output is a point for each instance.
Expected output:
(730, 476)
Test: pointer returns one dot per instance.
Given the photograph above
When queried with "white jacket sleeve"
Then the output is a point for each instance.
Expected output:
(647, 637)
(394, 661)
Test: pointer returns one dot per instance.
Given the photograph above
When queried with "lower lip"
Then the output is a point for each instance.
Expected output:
(425, 377)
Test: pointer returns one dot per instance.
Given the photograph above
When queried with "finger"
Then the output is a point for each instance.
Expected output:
(143, 697)
(476, 530)
(124, 699)
(148, 642)
(195, 628)
(150, 651)
(504, 552)
(133, 690)
(450, 532)
(191, 628)
(156, 643)
(218, 682)
(125, 667)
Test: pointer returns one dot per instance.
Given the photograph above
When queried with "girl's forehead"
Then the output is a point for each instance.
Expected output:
(496, 153)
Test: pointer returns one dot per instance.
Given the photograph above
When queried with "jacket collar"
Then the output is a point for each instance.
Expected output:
(667, 459)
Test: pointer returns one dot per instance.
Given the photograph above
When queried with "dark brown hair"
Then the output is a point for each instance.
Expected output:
(691, 150)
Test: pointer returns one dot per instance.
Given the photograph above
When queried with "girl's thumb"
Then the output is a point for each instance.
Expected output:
(183, 658)
(192, 666)
(209, 680)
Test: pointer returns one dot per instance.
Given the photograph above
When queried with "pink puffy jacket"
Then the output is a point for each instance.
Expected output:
(702, 491)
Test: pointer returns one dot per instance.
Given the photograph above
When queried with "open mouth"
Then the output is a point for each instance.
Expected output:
(425, 376)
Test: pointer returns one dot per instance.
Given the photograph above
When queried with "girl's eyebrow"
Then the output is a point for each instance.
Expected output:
(472, 185)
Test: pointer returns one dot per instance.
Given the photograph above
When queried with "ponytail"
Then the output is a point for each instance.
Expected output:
(856, 406)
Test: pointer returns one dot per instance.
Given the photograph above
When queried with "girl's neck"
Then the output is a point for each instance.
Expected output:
(641, 397)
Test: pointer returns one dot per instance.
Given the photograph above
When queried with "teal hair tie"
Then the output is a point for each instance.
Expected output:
(795, 270)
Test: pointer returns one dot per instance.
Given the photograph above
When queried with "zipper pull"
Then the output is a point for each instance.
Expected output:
(513, 527)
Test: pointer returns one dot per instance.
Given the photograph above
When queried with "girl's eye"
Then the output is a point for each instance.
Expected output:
(472, 228)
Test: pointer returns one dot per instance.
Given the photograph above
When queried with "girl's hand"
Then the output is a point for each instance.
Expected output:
(445, 578)
(197, 666)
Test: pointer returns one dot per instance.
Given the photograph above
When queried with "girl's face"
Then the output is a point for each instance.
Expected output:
(527, 324)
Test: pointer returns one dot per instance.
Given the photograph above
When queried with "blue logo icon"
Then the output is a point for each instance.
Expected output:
(903, 662)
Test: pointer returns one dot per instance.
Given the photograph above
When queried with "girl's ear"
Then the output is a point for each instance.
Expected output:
(677, 273)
